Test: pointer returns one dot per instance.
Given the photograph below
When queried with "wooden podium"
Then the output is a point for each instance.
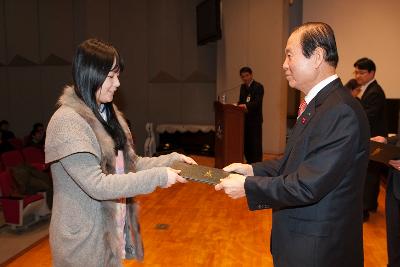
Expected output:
(229, 134)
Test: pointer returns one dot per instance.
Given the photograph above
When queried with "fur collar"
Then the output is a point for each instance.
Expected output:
(70, 99)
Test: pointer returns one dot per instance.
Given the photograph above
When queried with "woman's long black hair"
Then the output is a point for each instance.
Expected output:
(93, 60)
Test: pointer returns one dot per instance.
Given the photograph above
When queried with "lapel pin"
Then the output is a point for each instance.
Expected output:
(303, 120)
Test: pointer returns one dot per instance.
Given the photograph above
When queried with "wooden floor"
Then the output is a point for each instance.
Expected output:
(206, 228)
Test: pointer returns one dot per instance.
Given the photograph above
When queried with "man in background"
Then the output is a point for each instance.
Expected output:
(251, 98)
(373, 101)
(392, 209)
(392, 203)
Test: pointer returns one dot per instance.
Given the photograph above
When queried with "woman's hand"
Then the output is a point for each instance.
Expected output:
(395, 164)
(187, 159)
(173, 177)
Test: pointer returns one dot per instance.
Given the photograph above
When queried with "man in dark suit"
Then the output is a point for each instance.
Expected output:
(373, 101)
(250, 99)
(392, 205)
(315, 189)
(393, 212)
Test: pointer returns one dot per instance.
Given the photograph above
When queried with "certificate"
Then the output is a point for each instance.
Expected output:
(199, 173)
(383, 152)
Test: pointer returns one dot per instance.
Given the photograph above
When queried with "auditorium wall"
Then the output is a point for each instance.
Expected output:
(167, 79)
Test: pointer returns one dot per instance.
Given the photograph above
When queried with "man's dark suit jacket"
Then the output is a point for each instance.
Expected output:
(316, 189)
(373, 101)
(254, 107)
(392, 213)
(396, 173)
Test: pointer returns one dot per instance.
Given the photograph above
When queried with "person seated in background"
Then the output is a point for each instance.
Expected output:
(354, 88)
(5, 129)
(36, 137)
(29, 181)
(4, 144)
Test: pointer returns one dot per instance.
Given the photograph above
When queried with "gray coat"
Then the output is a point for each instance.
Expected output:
(81, 153)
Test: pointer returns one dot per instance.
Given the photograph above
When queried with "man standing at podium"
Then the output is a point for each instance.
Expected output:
(316, 189)
(250, 99)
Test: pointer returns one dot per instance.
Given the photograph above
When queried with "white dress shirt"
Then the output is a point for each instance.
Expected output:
(364, 87)
(318, 87)
(103, 112)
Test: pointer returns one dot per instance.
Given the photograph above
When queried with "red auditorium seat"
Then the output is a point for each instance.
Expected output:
(20, 210)
(34, 157)
(12, 158)
(16, 143)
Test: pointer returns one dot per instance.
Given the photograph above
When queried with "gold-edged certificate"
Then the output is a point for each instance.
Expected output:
(383, 152)
(199, 173)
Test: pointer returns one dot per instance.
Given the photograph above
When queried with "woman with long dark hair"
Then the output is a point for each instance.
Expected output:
(95, 170)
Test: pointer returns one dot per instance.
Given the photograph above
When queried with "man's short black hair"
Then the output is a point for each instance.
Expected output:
(245, 69)
(319, 34)
(365, 64)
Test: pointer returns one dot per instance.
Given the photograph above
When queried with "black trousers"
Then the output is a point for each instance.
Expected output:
(393, 221)
(371, 186)
(253, 142)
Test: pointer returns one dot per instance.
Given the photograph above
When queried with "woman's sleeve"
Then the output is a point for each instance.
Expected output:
(144, 163)
(84, 169)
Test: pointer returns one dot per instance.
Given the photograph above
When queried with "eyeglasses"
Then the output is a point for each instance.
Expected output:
(360, 72)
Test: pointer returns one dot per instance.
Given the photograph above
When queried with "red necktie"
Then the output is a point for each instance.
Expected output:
(302, 107)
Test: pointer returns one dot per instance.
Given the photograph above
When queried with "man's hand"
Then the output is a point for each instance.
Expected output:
(233, 186)
(379, 139)
(244, 169)
(395, 164)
